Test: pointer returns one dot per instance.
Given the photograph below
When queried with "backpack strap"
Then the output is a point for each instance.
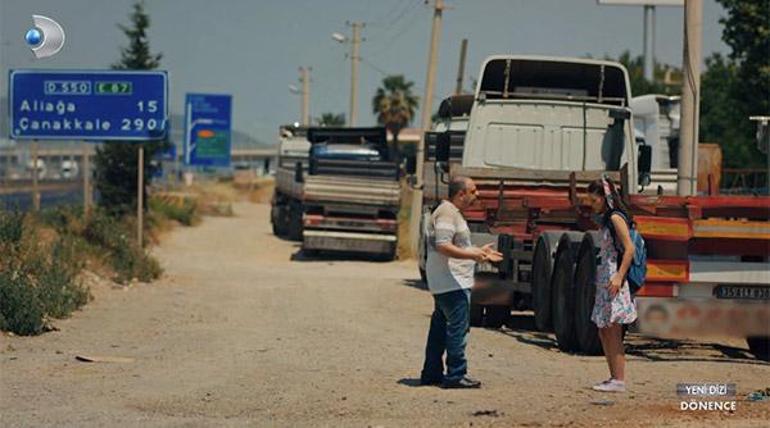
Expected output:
(611, 226)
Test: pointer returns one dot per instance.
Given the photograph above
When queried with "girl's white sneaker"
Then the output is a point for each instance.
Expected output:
(612, 385)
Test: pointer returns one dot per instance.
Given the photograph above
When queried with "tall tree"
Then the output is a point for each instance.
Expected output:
(668, 79)
(331, 119)
(736, 87)
(395, 104)
(116, 162)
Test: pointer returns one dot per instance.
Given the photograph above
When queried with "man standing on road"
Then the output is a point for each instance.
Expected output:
(449, 268)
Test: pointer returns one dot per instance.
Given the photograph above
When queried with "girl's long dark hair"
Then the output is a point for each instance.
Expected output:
(596, 187)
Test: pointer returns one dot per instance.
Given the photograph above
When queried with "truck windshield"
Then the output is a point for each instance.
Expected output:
(346, 152)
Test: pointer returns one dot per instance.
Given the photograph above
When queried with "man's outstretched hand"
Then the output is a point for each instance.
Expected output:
(490, 254)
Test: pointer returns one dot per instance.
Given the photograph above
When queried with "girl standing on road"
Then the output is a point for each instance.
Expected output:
(613, 306)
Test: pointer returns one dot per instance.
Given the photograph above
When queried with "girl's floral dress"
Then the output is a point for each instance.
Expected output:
(608, 310)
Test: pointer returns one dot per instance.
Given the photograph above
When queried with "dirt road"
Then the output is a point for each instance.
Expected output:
(237, 333)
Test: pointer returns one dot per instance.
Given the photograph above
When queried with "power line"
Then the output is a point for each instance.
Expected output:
(375, 67)
(393, 12)
(398, 34)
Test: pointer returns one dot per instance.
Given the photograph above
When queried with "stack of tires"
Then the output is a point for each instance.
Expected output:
(563, 290)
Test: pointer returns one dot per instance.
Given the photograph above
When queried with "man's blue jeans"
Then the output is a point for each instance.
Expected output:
(448, 332)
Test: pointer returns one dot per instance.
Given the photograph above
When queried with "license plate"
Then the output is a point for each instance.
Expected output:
(742, 293)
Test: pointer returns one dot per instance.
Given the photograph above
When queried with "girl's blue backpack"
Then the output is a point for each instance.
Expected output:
(638, 270)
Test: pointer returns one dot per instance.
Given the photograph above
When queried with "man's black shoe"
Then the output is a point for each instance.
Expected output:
(462, 383)
(431, 382)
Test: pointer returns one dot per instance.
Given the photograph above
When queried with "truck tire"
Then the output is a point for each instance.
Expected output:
(476, 315)
(276, 229)
(563, 298)
(759, 346)
(294, 226)
(585, 272)
(496, 316)
(390, 255)
(542, 268)
(423, 276)
(279, 225)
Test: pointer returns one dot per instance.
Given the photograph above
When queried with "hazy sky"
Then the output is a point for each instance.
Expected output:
(252, 48)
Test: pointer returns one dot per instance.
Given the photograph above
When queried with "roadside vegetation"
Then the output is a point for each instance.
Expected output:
(46, 254)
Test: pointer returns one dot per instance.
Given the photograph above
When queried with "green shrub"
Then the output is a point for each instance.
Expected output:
(41, 258)
(66, 219)
(126, 257)
(38, 279)
(21, 310)
(59, 288)
(11, 227)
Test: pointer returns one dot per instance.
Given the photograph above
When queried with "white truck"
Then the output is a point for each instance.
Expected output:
(344, 196)
(541, 128)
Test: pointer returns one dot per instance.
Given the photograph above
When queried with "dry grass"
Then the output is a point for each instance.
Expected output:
(262, 191)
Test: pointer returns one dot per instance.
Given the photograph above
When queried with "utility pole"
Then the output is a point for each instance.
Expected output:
(648, 47)
(427, 100)
(461, 67)
(687, 174)
(649, 42)
(355, 46)
(305, 79)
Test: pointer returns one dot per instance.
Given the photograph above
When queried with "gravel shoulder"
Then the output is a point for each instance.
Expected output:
(241, 330)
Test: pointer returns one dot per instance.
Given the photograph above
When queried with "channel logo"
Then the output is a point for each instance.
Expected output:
(46, 38)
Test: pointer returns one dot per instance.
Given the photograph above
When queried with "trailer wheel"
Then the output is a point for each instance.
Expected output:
(476, 315)
(279, 226)
(294, 225)
(759, 346)
(585, 272)
(390, 255)
(563, 298)
(423, 276)
(496, 316)
(542, 268)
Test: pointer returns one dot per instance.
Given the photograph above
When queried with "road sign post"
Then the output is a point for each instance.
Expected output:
(35, 177)
(140, 198)
(86, 181)
(114, 105)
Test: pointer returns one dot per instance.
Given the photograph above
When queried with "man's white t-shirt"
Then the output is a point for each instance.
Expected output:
(446, 274)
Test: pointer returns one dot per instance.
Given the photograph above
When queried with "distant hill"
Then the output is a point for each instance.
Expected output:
(240, 139)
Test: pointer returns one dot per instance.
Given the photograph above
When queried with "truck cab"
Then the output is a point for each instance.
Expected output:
(551, 114)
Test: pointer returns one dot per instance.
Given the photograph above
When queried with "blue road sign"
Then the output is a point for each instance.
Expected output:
(88, 105)
(207, 129)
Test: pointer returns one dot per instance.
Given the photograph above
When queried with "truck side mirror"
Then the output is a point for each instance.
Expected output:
(644, 164)
(620, 114)
(298, 173)
(411, 164)
(443, 145)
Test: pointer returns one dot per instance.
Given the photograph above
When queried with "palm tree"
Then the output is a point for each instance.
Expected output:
(331, 119)
(395, 104)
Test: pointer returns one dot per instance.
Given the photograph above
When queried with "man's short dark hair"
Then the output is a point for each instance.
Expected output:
(456, 185)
